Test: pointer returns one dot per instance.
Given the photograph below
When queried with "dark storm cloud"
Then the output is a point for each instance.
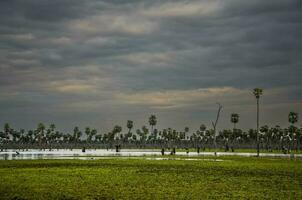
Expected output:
(131, 58)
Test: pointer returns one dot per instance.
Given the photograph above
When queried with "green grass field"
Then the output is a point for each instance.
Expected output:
(232, 178)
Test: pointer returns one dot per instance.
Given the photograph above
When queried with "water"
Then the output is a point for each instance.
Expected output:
(33, 154)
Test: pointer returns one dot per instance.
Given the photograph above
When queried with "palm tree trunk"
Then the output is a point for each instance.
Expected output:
(258, 150)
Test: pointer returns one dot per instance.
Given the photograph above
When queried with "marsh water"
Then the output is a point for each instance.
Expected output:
(32, 154)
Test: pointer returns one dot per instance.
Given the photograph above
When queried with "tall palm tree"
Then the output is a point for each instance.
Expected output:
(293, 117)
(234, 119)
(152, 122)
(258, 92)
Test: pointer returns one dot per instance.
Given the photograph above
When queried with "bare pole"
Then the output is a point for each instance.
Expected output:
(215, 124)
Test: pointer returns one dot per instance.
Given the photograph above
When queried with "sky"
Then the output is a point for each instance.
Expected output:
(99, 63)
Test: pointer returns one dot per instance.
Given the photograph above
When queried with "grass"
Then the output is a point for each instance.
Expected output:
(233, 178)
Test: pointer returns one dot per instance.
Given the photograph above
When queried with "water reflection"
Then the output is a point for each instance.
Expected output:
(33, 154)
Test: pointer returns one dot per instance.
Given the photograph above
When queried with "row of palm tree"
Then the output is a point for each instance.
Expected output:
(48, 137)
(274, 137)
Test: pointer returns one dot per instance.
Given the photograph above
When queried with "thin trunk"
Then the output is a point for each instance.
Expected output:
(258, 149)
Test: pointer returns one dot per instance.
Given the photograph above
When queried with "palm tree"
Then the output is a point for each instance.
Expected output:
(187, 129)
(116, 130)
(87, 132)
(51, 133)
(258, 92)
(234, 119)
(7, 130)
(52, 127)
(186, 132)
(40, 132)
(152, 122)
(92, 133)
(129, 125)
(293, 117)
(202, 127)
(129, 134)
(77, 134)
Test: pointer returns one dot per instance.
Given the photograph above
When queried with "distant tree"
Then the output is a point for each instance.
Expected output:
(52, 127)
(16, 135)
(116, 130)
(7, 130)
(129, 125)
(98, 137)
(186, 132)
(50, 133)
(77, 134)
(92, 133)
(293, 132)
(293, 117)
(257, 93)
(87, 132)
(265, 136)
(202, 127)
(152, 122)
(187, 129)
(40, 133)
(143, 134)
(234, 119)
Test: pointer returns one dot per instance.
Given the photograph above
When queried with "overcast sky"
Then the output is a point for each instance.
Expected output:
(98, 63)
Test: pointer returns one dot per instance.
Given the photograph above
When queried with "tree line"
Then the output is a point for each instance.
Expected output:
(264, 137)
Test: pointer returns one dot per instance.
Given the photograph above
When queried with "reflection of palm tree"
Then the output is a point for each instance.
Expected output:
(258, 92)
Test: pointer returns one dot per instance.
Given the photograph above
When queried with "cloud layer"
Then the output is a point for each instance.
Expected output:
(99, 63)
